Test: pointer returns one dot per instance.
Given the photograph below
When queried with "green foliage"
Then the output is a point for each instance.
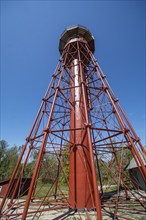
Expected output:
(8, 159)
(3, 148)
(65, 162)
(109, 168)
(48, 172)
(28, 171)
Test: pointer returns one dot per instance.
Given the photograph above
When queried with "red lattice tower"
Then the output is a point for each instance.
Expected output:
(78, 148)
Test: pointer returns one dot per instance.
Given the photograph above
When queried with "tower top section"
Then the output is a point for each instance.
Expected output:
(73, 32)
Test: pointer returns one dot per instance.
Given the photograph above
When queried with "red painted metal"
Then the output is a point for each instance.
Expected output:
(80, 180)
(79, 145)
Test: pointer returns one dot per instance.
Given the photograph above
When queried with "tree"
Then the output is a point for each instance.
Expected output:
(8, 159)
(3, 157)
(65, 162)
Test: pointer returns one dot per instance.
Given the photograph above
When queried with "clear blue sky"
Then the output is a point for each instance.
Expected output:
(30, 32)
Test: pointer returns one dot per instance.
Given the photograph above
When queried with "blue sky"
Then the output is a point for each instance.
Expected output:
(30, 32)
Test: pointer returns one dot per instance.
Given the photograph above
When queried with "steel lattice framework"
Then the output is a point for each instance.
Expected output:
(83, 131)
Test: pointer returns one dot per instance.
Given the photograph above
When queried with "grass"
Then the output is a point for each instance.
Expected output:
(43, 189)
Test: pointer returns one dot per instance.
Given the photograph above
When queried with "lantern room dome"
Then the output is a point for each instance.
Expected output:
(76, 31)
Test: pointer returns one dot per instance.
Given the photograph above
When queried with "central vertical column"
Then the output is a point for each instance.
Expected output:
(80, 178)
